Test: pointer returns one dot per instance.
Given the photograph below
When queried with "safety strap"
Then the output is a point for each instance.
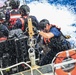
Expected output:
(22, 21)
(30, 28)
(67, 53)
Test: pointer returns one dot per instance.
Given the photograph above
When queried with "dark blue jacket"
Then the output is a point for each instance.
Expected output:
(4, 30)
(55, 31)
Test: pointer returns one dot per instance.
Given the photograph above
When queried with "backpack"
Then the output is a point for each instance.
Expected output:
(16, 33)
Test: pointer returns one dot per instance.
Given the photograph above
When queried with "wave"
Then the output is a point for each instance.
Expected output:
(59, 12)
(71, 3)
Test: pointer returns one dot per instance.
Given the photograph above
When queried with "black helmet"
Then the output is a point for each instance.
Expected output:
(25, 9)
(43, 23)
(2, 16)
(14, 4)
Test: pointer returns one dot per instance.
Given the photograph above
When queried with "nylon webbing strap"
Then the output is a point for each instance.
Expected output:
(22, 20)
(30, 28)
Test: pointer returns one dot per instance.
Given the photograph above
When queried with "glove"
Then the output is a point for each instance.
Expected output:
(36, 31)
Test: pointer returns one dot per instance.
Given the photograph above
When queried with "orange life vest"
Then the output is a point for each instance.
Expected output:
(60, 58)
(23, 22)
(13, 19)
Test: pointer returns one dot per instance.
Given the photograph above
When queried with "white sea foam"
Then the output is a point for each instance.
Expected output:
(57, 14)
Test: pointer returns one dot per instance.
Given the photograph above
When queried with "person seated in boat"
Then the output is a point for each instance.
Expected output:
(14, 13)
(3, 28)
(22, 22)
(54, 38)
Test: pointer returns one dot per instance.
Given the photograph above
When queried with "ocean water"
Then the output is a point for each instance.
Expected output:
(59, 12)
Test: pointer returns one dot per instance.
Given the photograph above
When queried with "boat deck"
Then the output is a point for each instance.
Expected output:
(38, 70)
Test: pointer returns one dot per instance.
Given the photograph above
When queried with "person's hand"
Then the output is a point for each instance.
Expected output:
(36, 31)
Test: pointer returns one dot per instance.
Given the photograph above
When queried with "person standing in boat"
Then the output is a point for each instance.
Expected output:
(3, 28)
(14, 13)
(22, 22)
(54, 38)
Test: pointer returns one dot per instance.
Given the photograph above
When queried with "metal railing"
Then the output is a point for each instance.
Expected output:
(2, 69)
(62, 63)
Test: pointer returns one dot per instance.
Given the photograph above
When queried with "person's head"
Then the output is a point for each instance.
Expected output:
(7, 3)
(14, 4)
(2, 17)
(24, 10)
(44, 24)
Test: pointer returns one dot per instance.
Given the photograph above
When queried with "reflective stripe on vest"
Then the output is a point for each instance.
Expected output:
(15, 16)
(13, 19)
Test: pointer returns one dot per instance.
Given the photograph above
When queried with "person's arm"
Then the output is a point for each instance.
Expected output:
(54, 32)
(5, 30)
(46, 35)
